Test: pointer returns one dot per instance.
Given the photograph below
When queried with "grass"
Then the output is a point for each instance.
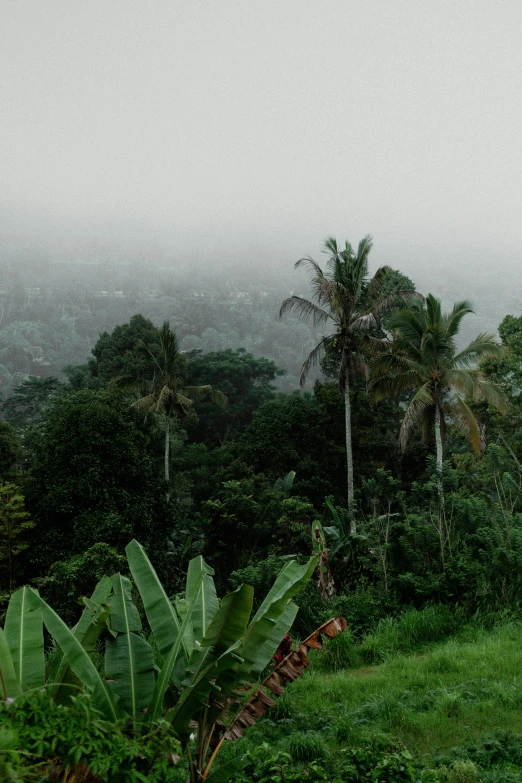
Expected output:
(446, 701)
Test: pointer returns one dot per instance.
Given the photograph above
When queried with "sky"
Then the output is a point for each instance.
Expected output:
(260, 128)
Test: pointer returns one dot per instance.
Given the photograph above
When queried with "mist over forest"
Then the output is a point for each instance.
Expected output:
(62, 285)
(260, 391)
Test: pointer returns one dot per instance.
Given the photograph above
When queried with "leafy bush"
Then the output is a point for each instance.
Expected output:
(374, 763)
(268, 766)
(76, 734)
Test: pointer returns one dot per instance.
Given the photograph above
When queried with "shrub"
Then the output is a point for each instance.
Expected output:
(35, 731)
(307, 746)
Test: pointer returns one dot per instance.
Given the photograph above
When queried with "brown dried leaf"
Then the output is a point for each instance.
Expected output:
(288, 670)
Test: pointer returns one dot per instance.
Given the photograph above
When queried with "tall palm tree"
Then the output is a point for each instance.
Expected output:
(423, 358)
(339, 297)
(166, 392)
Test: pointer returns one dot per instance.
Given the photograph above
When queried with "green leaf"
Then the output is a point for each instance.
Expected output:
(194, 698)
(228, 680)
(268, 647)
(225, 636)
(206, 600)
(261, 633)
(129, 667)
(173, 657)
(124, 615)
(10, 687)
(88, 629)
(24, 634)
(129, 663)
(229, 622)
(78, 658)
(287, 482)
(162, 616)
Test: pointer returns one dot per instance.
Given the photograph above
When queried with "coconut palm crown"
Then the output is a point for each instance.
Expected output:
(423, 358)
(166, 392)
(339, 298)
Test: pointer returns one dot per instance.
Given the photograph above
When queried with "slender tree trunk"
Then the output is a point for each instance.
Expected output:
(438, 443)
(167, 455)
(349, 455)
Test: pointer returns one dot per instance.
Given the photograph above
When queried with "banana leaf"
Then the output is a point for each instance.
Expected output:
(262, 635)
(161, 614)
(10, 687)
(88, 629)
(129, 663)
(206, 600)
(129, 668)
(230, 678)
(217, 653)
(78, 659)
(175, 655)
(24, 635)
(124, 614)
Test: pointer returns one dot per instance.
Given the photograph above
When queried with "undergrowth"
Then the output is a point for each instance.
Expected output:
(420, 698)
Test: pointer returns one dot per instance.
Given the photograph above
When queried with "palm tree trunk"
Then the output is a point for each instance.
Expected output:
(438, 443)
(349, 455)
(167, 456)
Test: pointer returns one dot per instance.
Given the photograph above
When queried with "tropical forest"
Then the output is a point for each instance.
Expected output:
(257, 529)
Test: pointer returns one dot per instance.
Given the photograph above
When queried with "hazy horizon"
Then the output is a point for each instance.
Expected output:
(249, 133)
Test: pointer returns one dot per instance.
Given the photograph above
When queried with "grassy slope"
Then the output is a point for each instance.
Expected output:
(438, 702)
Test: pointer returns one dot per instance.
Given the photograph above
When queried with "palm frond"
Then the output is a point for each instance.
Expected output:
(408, 326)
(492, 394)
(467, 422)
(365, 245)
(308, 261)
(462, 380)
(306, 309)
(185, 403)
(332, 294)
(421, 402)
(376, 345)
(433, 310)
(435, 347)
(484, 346)
(164, 399)
(144, 348)
(314, 356)
(363, 323)
(385, 385)
(198, 393)
(330, 245)
(218, 398)
(397, 363)
(389, 301)
(145, 403)
(453, 319)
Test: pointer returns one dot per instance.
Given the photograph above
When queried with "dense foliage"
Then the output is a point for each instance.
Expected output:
(131, 443)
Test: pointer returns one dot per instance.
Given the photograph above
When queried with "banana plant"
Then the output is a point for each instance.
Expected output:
(185, 669)
(22, 661)
(209, 647)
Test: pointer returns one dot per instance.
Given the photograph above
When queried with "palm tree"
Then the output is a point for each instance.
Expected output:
(423, 357)
(166, 392)
(339, 297)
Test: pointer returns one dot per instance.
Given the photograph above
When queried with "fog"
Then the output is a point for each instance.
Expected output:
(214, 132)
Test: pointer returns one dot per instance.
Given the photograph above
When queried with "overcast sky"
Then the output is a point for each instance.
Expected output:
(267, 123)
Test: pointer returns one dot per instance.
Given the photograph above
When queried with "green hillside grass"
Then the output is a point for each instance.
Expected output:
(456, 705)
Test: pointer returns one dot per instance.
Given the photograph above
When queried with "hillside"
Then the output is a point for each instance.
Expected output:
(449, 709)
